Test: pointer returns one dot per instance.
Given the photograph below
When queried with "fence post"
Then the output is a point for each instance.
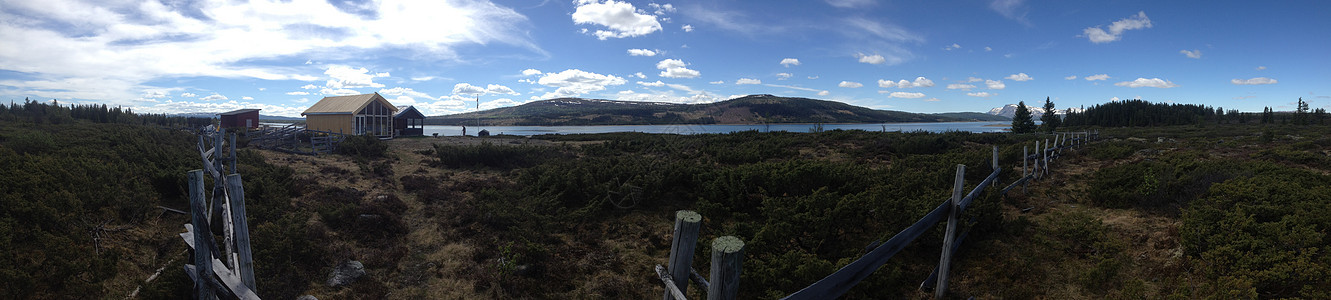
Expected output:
(727, 257)
(203, 263)
(687, 224)
(995, 157)
(953, 217)
(1046, 157)
(245, 261)
(233, 154)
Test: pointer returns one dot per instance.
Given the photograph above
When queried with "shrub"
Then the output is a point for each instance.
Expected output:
(362, 146)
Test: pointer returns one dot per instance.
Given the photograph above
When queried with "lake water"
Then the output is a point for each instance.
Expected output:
(444, 130)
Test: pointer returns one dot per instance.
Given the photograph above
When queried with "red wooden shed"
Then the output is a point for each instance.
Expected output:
(247, 118)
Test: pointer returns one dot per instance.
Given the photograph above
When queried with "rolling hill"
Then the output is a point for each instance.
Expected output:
(752, 109)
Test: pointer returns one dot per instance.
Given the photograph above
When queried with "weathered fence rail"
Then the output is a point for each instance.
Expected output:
(841, 281)
(231, 276)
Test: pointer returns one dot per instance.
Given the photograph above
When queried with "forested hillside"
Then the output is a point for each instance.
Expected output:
(752, 109)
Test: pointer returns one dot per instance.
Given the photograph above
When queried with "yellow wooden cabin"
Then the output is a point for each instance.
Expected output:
(355, 114)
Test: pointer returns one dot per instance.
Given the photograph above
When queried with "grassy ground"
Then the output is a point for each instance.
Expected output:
(1217, 211)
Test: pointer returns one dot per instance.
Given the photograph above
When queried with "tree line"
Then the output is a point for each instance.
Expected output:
(1139, 112)
(55, 113)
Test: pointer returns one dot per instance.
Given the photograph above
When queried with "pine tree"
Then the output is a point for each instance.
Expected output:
(1049, 121)
(1301, 113)
(1021, 120)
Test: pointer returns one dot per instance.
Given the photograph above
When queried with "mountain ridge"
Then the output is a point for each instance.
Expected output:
(751, 109)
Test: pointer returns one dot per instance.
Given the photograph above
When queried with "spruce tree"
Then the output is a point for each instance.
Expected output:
(1021, 120)
(1049, 121)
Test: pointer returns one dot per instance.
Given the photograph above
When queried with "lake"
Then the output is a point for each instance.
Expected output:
(444, 130)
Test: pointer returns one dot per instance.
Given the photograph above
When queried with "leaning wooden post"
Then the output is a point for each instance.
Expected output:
(1025, 150)
(687, 224)
(245, 260)
(233, 154)
(727, 256)
(203, 257)
(953, 217)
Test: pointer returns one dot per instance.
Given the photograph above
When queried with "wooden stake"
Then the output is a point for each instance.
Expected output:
(953, 218)
(727, 256)
(687, 224)
(203, 264)
(245, 260)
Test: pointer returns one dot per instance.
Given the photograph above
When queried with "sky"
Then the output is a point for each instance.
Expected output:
(186, 56)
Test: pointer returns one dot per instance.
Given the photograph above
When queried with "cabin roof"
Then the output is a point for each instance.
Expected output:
(408, 111)
(345, 104)
(239, 111)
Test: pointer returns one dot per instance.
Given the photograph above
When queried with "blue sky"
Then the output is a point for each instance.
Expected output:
(919, 56)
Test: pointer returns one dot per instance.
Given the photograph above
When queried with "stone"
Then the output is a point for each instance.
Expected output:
(346, 273)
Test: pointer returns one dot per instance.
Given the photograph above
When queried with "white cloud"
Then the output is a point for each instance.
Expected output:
(974, 79)
(639, 75)
(995, 84)
(497, 103)
(922, 82)
(960, 86)
(1192, 54)
(499, 89)
(120, 46)
(824, 93)
(213, 97)
(530, 72)
(1259, 68)
(422, 78)
(717, 82)
(932, 100)
(850, 84)
(1011, 9)
(1097, 77)
(1253, 81)
(787, 62)
(155, 94)
(687, 28)
(403, 91)
(574, 82)
(310, 87)
(1143, 82)
(783, 76)
(851, 3)
(906, 95)
(793, 87)
(1116, 29)
(621, 18)
(658, 83)
(467, 89)
(674, 68)
(987, 49)
(954, 46)
(919, 82)
(871, 59)
(1019, 77)
(1070, 77)
(298, 93)
(661, 9)
(748, 81)
(641, 52)
(981, 94)
(246, 98)
(188, 95)
(338, 92)
(813, 77)
(350, 78)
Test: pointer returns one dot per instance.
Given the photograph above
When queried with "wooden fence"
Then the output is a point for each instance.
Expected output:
(287, 139)
(231, 276)
(727, 251)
